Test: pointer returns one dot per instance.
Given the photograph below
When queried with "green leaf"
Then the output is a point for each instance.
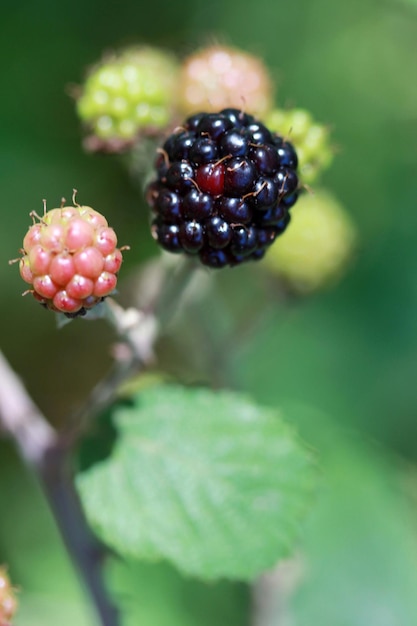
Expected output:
(206, 480)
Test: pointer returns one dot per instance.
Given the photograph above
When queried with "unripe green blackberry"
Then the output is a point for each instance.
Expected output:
(317, 247)
(311, 140)
(70, 258)
(218, 77)
(8, 601)
(128, 93)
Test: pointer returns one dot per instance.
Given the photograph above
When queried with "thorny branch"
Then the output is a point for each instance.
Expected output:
(42, 449)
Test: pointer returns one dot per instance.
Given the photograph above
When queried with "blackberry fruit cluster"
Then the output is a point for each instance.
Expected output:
(224, 188)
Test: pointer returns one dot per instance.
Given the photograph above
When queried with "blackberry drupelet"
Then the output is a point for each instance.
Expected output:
(224, 188)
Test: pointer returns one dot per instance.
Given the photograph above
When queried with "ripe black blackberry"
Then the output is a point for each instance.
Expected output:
(224, 188)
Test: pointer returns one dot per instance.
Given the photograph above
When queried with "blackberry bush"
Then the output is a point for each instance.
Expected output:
(70, 258)
(224, 188)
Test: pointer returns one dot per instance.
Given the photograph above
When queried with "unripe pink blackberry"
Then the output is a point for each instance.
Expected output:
(70, 258)
(218, 77)
(8, 602)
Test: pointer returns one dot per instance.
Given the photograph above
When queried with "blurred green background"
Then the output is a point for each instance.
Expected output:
(343, 360)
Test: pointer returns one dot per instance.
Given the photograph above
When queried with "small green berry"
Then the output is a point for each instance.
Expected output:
(310, 139)
(128, 93)
(315, 250)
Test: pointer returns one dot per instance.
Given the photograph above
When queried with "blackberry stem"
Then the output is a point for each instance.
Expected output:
(176, 282)
(47, 454)
(87, 553)
(272, 592)
(138, 330)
